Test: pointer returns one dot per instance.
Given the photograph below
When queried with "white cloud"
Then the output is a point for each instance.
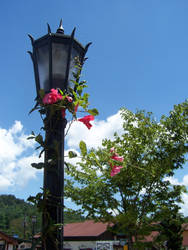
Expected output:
(93, 137)
(16, 128)
(114, 212)
(16, 155)
(13, 142)
(100, 130)
(4, 182)
(185, 180)
(175, 181)
(184, 207)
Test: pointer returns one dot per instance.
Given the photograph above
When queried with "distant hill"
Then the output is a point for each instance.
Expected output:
(14, 211)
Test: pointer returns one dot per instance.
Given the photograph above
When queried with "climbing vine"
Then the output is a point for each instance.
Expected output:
(58, 106)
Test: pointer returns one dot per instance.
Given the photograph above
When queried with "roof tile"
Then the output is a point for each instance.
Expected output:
(86, 228)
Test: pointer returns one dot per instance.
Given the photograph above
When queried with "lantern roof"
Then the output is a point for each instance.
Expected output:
(58, 35)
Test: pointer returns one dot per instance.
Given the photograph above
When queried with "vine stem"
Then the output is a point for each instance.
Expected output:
(69, 126)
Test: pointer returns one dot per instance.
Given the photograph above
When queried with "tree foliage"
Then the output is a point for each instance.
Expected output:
(170, 229)
(152, 151)
(13, 211)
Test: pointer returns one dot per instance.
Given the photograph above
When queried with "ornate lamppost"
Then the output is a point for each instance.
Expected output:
(33, 220)
(54, 64)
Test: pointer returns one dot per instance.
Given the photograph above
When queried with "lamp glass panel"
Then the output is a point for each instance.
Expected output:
(75, 58)
(59, 64)
(34, 219)
(42, 54)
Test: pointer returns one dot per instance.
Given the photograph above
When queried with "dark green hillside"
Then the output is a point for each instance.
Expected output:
(13, 213)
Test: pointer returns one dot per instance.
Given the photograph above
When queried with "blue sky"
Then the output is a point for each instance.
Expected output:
(138, 59)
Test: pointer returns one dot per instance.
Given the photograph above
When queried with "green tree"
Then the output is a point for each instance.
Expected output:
(13, 211)
(152, 151)
(170, 229)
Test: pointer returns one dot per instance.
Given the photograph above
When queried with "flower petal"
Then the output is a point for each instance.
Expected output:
(115, 170)
(86, 120)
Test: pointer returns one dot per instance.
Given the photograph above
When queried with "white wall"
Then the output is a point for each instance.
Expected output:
(76, 245)
(10, 247)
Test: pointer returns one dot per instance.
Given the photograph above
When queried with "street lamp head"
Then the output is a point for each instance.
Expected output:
(34, 219)
(55, 57)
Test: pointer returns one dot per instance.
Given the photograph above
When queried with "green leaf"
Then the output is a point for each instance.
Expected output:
(67, 165)
(34, 108)
(39, 165)
(41, 93)
(31, 199)
(79, 90)
(30, 137)
(83, 82)
(72, 154)
(61, 92)
(41, 153)
(93, 111)
(39, 139)
(83, 148)
(75, 83)
(85, 97)
(42, 111)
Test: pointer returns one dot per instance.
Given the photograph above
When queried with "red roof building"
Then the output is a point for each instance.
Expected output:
(185, 235)
(88, 230)
(85, 235)
(153, 235)
(7, 242)
(88, 235)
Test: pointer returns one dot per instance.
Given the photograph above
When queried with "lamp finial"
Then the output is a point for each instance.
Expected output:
(60, 29)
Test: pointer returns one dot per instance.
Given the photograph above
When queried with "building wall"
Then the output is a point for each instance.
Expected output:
(10, 247)
(185, 236)
(94, 245)
(3, 242)
(24, 245)
(76, 245)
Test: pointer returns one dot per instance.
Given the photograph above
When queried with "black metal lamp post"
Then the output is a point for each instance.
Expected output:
(33, 220)
(54, 62)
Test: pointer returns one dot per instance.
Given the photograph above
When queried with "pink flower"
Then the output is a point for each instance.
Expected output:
(112, 150)
(115, 170)
(86, 120)
(63, 113)
(52, 97)
(116, 157)
(69, 98)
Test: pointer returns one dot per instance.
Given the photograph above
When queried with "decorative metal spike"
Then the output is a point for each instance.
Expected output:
(31, 54)
(31, 38)
(60, 29)
(73, 32)
(49, 29)
(87, 46)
